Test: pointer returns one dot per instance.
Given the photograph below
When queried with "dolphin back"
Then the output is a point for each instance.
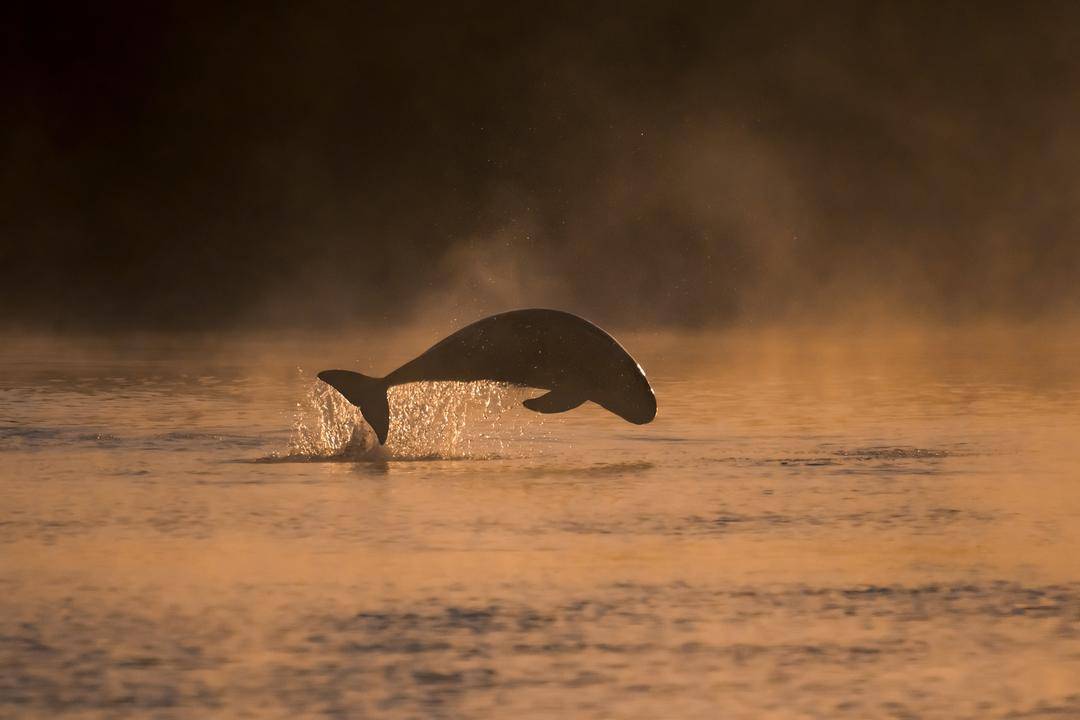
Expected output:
(571, 358)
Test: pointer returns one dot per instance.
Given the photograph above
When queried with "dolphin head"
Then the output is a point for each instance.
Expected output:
(625, 391)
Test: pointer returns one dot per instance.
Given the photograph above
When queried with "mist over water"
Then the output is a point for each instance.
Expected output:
(704, 165)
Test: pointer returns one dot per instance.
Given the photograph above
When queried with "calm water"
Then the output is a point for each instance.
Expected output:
(856, 527)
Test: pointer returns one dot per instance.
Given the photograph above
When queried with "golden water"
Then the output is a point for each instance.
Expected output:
(853, 526)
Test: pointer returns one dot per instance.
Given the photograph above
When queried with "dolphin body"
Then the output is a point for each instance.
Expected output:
(551, 350)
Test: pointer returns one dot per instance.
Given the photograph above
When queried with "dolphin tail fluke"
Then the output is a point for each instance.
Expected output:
(366, 393)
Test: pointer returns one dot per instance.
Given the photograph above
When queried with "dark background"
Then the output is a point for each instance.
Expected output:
(312, 164)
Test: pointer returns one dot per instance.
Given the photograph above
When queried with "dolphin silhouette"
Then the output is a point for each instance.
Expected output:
(550, 350)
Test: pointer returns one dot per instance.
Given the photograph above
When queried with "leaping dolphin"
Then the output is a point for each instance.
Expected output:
(550, 350)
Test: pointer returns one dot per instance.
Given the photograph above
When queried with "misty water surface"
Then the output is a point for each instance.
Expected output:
(863, 525)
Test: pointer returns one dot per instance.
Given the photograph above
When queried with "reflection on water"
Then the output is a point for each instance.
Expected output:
(849, 528)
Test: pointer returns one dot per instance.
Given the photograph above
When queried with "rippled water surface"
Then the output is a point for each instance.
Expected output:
(853, 527)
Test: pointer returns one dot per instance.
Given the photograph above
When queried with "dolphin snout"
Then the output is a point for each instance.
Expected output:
(645, 412)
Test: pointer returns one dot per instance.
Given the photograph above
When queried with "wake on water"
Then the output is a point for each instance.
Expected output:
(430, 420)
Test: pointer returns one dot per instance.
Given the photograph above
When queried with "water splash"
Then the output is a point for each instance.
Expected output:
(456, 419)
(430, 420)
(326, 425)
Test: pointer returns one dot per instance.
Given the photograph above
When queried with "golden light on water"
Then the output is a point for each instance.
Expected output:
(895, 511)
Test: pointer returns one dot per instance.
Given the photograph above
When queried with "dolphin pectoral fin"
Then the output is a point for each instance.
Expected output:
(557, 401)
